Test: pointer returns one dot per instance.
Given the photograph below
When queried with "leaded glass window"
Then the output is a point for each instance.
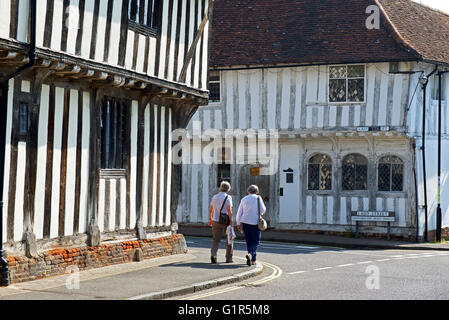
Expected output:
(390, 174)
(347, 83)
(319, 172)
(355, 172)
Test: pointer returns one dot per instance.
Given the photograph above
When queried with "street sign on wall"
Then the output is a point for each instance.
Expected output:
(376, 216)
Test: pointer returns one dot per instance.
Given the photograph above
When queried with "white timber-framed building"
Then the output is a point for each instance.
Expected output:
(346, 101)
(88, 126)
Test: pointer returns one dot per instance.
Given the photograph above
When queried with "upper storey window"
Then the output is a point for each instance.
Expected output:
(214, 87)
(143, 15)
(347, 83)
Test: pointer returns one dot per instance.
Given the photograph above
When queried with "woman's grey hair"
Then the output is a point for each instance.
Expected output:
(225, 186)
(253, 189)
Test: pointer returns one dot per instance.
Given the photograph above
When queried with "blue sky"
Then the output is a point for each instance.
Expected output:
(442, 5)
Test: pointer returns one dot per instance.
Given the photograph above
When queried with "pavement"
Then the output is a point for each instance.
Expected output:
(293, 236)
(152, 279)
(171, 276)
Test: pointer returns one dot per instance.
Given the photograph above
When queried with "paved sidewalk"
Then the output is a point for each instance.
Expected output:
(151, 279)
(323, 240)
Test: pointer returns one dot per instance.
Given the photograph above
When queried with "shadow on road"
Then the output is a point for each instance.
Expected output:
(265, 246)
(208, 266)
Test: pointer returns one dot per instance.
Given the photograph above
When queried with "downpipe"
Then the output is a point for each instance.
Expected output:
(5, 281)
(439, 214)
(424, 84)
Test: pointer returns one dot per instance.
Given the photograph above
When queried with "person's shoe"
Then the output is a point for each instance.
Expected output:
(253, 263)
(248, 259)
(229, 261)
(213, 260)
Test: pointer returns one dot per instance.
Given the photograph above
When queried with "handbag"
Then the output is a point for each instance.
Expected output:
(224, 218)
(262, 224)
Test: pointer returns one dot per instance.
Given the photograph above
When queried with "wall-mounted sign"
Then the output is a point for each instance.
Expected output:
(376, 128)
(378, 216)
(255, 171)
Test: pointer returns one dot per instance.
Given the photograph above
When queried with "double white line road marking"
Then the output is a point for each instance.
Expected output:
(277, 272)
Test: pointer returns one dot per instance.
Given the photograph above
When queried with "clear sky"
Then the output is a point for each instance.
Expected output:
(442, 5)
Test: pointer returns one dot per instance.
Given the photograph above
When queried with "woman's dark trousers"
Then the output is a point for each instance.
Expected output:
(252, 237)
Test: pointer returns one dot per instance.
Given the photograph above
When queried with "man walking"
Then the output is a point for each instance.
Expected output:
(221, 202)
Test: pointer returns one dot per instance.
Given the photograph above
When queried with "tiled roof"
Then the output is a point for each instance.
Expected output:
(269, 32)
(422, 28)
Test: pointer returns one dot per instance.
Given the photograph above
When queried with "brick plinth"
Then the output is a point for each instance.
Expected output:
(57, 262)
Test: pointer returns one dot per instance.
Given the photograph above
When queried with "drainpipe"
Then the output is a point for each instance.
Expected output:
(3, 121)
(424, 80)
(439, 216)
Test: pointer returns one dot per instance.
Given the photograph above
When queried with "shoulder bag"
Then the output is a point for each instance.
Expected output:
(224, 218)
(262, 223)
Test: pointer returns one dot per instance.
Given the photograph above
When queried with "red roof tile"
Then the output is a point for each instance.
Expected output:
(269, 32)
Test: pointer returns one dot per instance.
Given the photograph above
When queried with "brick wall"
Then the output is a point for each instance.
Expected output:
(55, 262)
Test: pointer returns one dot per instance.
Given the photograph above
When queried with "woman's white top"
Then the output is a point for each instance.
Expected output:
(247, 212)
(217, 202)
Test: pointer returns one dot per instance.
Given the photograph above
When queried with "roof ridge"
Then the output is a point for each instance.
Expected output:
(430, 8)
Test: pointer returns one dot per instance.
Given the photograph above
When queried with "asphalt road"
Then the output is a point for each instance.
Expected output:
(305, 272)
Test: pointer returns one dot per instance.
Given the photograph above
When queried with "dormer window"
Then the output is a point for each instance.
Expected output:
(143, 15)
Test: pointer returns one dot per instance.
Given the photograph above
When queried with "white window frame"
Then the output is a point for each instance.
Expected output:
(347, 87)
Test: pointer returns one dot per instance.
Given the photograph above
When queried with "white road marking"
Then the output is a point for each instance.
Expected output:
(364, 262)
(325, 268)
(345, 265)
(382, 260)
(277, 272)
(297, 272)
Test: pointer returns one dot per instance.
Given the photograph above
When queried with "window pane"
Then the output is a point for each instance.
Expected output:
(355, 171)
(223, 173)
(133, 9)
(23, 119)
(337, 72)
(320, 158)
(326, 177)
(214, 92)
(337, 90)
(397, 177)
(113, 134)
(361, 177)
(356, 90)
(348, 177)
(314, 177)
(356, 71)
(384, 177)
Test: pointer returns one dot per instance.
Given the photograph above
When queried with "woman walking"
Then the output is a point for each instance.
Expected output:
(248, 218)
(221, 203)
